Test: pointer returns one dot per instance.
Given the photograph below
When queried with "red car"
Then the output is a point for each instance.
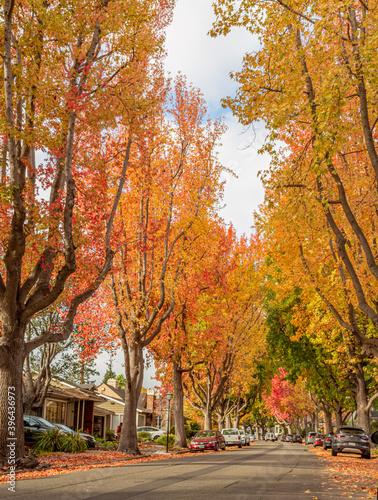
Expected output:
(207, 440)
(319, 439)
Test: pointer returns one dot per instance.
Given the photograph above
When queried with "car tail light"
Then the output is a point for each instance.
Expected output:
(339, 436)
(365, 438)
(239, 438)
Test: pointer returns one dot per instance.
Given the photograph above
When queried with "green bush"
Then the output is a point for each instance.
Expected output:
(73, 443)
(163, 440)
(172, 430)
(191, 428)
(50, 441)
(110, 435)
(144, 436)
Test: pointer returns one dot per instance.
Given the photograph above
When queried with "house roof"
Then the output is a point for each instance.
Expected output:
(71, 391)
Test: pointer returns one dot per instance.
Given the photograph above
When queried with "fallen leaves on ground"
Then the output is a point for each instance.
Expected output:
(63, 463)
(356, 474)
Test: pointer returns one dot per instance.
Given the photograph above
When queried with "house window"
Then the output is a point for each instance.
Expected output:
(56, 412)
(159, 421)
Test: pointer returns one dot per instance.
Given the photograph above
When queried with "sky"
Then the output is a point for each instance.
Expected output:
(207, 62)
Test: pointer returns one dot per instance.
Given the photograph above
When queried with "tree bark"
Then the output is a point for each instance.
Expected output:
(327, 420)
(338, 416)
(134, 369)
(180, 435)
(228, 422)
(207, 413)
(11, 407)
(361, 395)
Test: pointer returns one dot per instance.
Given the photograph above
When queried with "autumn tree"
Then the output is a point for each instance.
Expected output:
(71, 76)
(173, 185)
(312, 82)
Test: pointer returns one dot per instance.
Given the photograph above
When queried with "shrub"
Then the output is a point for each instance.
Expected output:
(50, 441)
(73, 443)
(144, 436)
(163, 440)
(191, 428)
(172, 430)
(374, 426)
(110, 435)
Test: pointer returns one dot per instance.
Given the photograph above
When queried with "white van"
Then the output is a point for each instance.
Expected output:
(269, 436)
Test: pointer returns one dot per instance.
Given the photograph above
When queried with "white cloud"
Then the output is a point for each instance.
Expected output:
(207, 63)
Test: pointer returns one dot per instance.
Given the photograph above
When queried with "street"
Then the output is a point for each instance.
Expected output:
(281, 471)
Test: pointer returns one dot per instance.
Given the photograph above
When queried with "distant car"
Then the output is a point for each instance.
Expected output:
(289, 438)
(154, 432)
(310, 438)
(232, 437)
(327, 442)
(251, 438)
(283, 438)
(34, 427)
(269, 436)
(351, 440)
(90, 440)
(245, 437)
(207, 440)
(318, 439)
(297, 439)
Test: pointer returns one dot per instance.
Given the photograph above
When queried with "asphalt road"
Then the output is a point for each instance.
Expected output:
(264, 471)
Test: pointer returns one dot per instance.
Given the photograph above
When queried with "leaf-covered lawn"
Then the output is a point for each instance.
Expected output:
(357, 475)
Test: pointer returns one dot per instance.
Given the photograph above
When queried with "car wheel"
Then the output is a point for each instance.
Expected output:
(367, 456)
(334, 453)
(248, 444)
(216, 447)
(224, 447)
(240, 445)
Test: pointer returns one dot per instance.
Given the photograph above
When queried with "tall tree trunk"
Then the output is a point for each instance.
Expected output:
(327, 420)
(134, 369)
(228, 422)
(180, 435)
(361, 395)
(11, 407)
(208, 418)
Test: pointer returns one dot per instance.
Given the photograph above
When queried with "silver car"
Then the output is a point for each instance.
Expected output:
(154, 432)
(245, 438)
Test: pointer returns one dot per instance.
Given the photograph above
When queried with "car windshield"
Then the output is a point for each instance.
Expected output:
(230, 432)
(45, 422)
(320, 436)
(205, 434)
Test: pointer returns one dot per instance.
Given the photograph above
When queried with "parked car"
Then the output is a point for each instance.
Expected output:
(351, 440)
(269, 436)
(283, 438)
(245, 437)
(289, 438)
(318, 439)
(232, 437)
(207, 440)
(327, 442)
(33, 427)
(310, 438)
(90, 440)
(251, 438)
(297, 439)
(154, 432)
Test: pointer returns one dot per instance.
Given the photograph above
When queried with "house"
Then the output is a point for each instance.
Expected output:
(151, 408)
(75, 405)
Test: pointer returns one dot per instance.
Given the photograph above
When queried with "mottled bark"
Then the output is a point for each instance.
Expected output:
(180, 435)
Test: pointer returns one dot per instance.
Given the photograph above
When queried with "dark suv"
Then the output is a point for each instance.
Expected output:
(33, 427)
(351, 440)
